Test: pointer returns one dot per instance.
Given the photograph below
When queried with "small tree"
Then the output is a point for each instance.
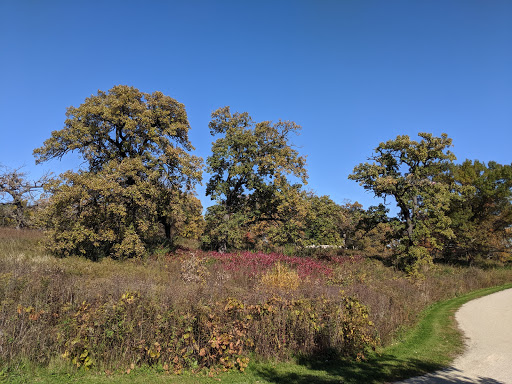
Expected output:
(410, 172)
(16, 194)
(139, 167)
(325, 221)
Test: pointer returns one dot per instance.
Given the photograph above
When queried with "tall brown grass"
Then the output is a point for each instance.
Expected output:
(195, 310)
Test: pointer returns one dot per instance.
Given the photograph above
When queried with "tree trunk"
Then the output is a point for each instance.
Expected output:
(410, 227)
(18, 214)
(167, 228)
(406, 214)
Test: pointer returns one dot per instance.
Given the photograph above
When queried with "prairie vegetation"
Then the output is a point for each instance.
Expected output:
(206, 311)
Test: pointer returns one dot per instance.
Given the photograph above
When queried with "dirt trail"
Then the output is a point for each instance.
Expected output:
(487, 325)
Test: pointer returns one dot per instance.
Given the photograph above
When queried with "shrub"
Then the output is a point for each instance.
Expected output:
(286, 327)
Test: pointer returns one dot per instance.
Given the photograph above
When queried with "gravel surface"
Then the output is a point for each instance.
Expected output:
(487, 325)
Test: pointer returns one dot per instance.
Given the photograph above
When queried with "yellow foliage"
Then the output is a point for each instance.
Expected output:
(281, 277)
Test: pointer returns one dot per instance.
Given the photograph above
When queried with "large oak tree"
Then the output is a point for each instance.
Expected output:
(411, 172)
(139, 166)
(250, 166)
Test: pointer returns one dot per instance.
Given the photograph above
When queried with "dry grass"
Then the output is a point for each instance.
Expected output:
(139, 311)
(395, 300)
(281, 277)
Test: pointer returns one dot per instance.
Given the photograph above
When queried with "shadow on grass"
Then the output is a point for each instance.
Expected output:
(451, 376)
(376, 369)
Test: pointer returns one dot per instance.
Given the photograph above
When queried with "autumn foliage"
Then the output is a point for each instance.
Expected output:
(205, 312)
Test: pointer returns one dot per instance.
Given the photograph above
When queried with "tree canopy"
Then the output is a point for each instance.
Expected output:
(481, 214)
(250, 167)
(251, 160)
(17, 192)
(139, 166)
(410, 172)
(325, 222)
(125, 123)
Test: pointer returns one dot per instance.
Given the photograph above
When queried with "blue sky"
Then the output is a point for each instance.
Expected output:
(351, 73)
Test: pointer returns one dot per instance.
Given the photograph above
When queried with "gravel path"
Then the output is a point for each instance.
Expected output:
(487, 325)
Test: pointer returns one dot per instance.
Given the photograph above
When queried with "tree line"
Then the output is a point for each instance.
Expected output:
(136, 191)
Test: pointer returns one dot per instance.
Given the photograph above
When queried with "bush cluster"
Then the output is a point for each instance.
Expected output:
(135, 330)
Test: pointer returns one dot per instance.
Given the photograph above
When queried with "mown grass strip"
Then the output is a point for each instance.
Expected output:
(435, 340)
(429, 346)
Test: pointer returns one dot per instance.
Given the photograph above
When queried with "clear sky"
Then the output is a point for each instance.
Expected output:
(352, 73)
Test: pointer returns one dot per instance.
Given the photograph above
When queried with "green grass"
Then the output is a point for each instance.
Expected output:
(429, 346)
